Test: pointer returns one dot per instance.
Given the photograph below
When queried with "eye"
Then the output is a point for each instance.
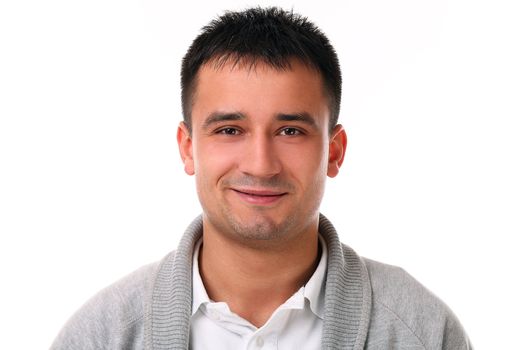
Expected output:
(290, 132)
(228, 131)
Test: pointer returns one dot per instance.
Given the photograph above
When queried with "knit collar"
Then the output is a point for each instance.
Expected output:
(347, 295)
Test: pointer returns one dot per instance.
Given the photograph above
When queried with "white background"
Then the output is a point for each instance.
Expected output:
(91, 186)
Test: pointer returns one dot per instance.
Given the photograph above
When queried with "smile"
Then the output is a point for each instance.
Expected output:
(259, 197)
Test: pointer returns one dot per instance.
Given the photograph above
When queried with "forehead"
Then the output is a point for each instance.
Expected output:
(258, 89)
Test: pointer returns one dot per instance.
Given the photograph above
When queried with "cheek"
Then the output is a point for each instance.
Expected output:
(212, 161)
(307, 163)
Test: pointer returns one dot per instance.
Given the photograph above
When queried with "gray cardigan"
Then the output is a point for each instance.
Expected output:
(368, 305)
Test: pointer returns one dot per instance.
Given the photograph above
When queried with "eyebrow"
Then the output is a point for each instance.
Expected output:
(218, 117)
(299, 117)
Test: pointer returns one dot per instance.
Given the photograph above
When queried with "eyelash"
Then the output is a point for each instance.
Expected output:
(296, 131)
(231, 131)
(223, 131)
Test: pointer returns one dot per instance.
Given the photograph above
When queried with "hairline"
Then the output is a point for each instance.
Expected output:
(251, 62)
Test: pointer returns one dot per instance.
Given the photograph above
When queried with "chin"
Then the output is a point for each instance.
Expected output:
(261, 227)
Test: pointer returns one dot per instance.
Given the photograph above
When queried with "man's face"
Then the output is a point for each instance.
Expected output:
(260, 149)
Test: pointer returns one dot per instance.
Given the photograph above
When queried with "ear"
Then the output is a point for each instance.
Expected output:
(336, 151)
(186, 148)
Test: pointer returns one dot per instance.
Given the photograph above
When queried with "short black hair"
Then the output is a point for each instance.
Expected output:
(271, 36)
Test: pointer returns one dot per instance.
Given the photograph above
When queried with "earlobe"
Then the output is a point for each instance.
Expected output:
(337, 149)
(185, 148)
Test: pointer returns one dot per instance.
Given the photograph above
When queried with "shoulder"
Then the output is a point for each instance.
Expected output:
(114, 317)
(405, 312)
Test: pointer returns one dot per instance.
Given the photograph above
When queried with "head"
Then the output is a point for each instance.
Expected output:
(270, 36)
(261, 92)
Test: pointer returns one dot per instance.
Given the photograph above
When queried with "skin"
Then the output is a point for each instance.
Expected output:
(260, 150)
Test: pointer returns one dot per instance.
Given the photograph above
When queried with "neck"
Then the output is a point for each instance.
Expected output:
(254, 281)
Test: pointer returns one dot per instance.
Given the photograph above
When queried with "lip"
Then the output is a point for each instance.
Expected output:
(259, 196)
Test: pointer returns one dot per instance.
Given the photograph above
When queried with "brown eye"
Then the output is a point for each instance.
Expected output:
(228, 131)
(290, 132)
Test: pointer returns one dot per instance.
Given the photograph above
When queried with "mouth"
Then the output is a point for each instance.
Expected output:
(259, 197)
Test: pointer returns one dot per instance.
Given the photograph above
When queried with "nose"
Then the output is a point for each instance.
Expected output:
(260, 158)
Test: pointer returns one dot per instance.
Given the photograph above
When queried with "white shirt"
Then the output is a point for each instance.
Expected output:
(296, 324)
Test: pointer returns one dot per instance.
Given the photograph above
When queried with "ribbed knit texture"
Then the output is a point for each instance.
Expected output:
(368, 305)
(347, 300)
(348, 294)
(172, 296)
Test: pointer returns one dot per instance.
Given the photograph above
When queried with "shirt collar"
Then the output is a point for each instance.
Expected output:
(200, 296)
(315, 287)
(313, 291)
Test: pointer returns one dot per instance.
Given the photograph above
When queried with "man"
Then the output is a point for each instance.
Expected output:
(262, 268)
